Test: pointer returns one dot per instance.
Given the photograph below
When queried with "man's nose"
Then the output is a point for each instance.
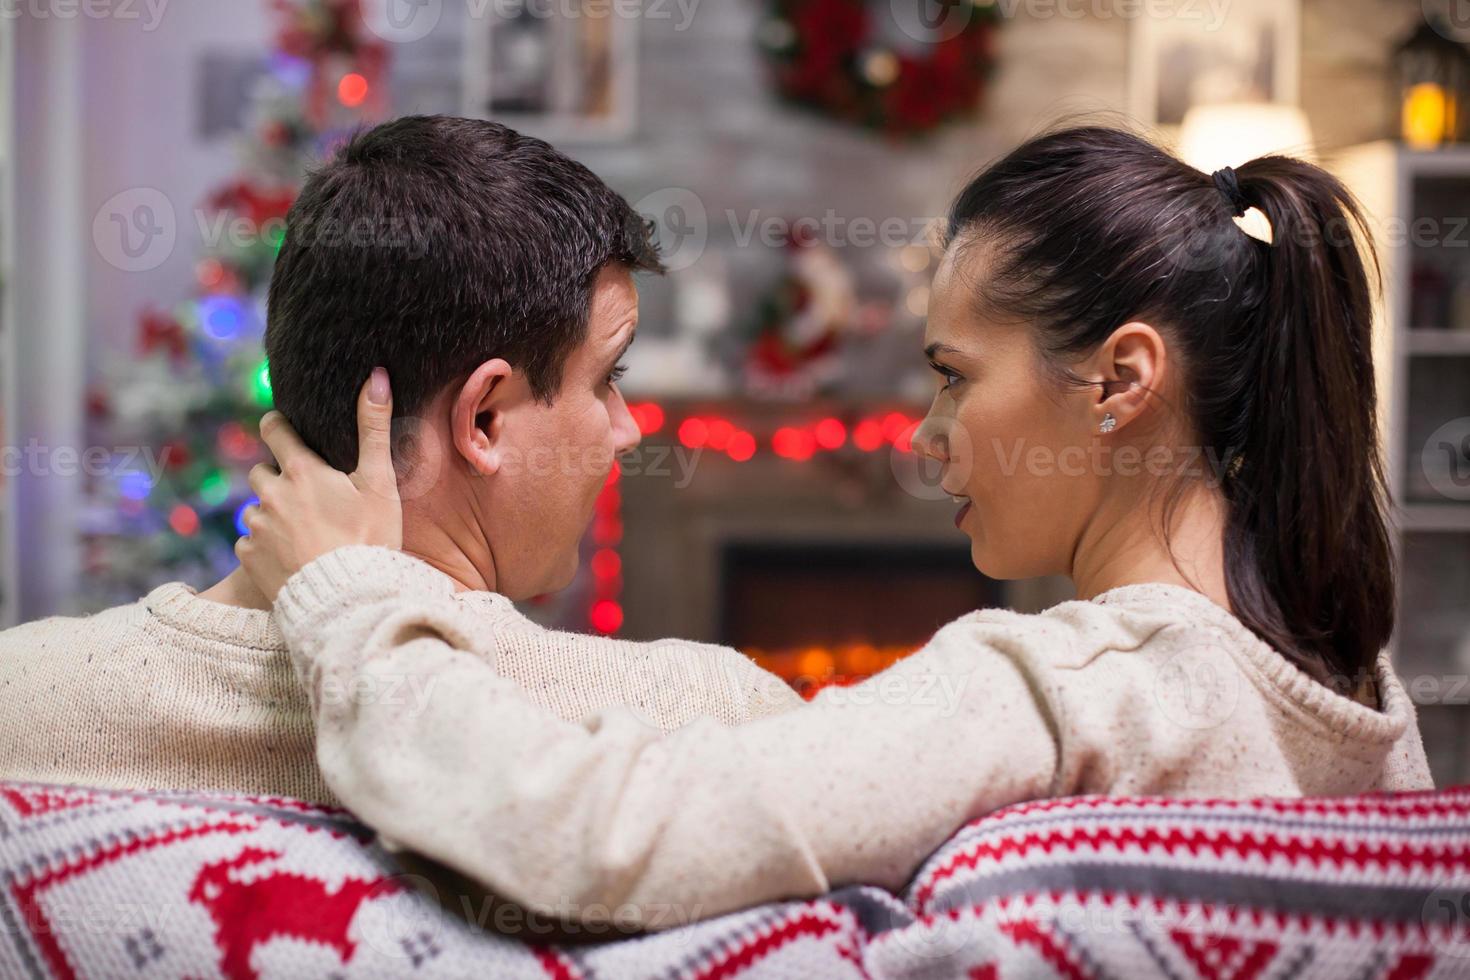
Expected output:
(626, 434)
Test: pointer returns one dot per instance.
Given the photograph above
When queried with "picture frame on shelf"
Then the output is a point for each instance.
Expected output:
(1191, 55)
(566, 73)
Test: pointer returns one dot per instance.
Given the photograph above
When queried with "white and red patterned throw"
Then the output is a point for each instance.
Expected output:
(107, 884)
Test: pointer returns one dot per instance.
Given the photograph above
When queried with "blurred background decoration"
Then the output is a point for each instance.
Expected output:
(797, 157)
(891, 70)
(1432, 79)
(196, 382)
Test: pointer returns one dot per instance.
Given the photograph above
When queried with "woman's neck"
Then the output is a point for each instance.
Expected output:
(1127, 544)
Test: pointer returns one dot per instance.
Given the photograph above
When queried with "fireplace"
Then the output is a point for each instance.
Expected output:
(825, 569)
(838, 612)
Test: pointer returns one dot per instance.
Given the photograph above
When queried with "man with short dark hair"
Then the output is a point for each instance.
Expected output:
(493, 278)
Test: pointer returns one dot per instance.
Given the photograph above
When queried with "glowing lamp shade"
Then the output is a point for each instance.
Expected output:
(1432, 75)
(1426, 116)
(1232, 134)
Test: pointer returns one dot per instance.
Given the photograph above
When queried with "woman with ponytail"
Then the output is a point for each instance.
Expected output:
(1153, 380)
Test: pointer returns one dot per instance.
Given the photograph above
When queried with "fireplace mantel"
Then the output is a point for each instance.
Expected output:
(682, 514)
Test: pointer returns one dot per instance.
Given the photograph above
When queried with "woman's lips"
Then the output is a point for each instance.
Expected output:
(959, 518)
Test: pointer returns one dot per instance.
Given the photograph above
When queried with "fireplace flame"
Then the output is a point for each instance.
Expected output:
(809, 669)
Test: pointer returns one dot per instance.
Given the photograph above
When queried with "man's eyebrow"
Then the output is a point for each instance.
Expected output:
(626, 344)
(937, 348)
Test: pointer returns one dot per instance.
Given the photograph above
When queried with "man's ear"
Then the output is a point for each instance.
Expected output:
(477, 418)
(1129, 367)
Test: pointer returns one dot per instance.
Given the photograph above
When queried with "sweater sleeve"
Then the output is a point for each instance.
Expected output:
(608, 818)
(767, 695)
(669, 682)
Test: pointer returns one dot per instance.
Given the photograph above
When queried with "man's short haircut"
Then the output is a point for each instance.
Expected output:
(429, 245)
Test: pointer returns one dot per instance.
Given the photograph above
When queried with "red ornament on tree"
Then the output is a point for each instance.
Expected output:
(257, 205)
(325, 32)
(159, 331)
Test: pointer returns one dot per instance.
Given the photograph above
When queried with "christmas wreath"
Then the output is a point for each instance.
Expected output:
(836, 56)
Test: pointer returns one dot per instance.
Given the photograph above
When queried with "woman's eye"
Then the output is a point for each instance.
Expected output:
(616, 374)
(950, 377)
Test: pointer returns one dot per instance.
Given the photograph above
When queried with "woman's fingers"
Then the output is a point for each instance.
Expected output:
(307, 508)
(375, 436)
(261, 476)
(285, 445)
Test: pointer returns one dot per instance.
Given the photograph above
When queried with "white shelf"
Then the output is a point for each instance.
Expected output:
(1432, 538)
(1451, 518)
(1451, 161)
(1453, 343)
(9, 561)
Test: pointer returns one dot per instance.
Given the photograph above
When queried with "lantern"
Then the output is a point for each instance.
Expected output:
(1432, 72)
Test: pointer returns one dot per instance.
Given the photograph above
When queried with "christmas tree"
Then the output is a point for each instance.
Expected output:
(191, 395)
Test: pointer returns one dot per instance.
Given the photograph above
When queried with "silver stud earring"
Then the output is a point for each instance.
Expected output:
(1109, 423)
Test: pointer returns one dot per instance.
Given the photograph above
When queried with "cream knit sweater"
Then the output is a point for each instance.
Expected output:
(179, 692)
(1148, 689)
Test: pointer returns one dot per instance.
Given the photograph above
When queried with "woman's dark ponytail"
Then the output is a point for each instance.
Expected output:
(1277, 348)
(1307, 548)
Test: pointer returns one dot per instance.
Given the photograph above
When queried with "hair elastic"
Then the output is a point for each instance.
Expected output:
(1247, 217)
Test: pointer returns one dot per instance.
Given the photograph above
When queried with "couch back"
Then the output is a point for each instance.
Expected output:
(97, 883)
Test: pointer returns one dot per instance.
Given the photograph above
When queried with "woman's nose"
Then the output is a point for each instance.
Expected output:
(931, 439)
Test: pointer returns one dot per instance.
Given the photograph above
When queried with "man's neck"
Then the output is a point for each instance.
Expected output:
(236, 589)
(450, 542)
(464, 575)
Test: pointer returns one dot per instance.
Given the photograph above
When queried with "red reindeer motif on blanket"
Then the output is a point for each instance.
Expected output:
(248, 914)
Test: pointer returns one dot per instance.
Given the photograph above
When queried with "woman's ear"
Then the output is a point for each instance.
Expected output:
(477, 419)
(1129, 368)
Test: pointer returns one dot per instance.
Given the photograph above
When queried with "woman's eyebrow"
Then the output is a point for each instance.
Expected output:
(937, 348)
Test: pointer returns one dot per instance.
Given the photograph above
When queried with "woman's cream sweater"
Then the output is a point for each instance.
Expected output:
(1148, 689)
(177, 692)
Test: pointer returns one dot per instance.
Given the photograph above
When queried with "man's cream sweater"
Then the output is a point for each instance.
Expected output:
(1147, 689)
(178, 692)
